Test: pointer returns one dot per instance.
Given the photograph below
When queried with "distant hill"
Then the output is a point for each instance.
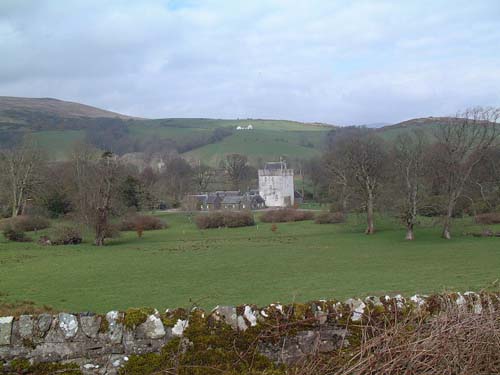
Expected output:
(376, 125)
(57, 125)
(427, 125)
(420, 122)
(24, 110)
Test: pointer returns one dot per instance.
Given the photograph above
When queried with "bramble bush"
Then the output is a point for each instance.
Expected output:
(229, 219)
(141, 222)
(25, 223)
(15, 235)
(286, 215)
(488, 218)
(67, 236)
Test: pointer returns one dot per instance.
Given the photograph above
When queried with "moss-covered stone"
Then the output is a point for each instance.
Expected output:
(208, 347)
(136, 316)
(170, 318)
(23, 366)
(104, 328)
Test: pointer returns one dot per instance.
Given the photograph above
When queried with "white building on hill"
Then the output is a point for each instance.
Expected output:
(249, 127)
(276, 185)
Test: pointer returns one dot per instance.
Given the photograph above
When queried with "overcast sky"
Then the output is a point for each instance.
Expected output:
(341, 62)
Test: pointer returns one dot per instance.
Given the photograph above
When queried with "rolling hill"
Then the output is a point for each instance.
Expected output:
(25, 110)
(57, 125)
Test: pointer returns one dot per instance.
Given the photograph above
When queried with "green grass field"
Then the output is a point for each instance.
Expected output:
(301, 261)
(261, 145)
(269, 140)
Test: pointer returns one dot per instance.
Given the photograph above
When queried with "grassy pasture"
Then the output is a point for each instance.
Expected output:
(301, 261)
(261, 145)
(270, 139)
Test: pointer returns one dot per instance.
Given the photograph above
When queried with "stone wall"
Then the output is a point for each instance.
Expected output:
(102, 344)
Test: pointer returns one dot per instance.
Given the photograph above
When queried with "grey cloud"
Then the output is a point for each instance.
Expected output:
(332, 61)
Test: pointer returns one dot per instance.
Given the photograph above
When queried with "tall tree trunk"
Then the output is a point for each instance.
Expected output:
(412, 214)
(447, 220)
(302, 188)
(344, 199)
(15, 200)
(344, 205)
(370, 229)
(410, 236)
(101, 226)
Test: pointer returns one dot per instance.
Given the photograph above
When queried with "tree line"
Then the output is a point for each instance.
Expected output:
(93, 186)
(444, 171)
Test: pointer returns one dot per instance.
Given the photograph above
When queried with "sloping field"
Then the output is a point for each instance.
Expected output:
(262, 145)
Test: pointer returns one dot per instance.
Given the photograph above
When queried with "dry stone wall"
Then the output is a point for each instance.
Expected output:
(102, 344)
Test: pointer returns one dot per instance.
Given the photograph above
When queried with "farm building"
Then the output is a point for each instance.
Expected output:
(226, 200)
(249, 127)
(243, 202)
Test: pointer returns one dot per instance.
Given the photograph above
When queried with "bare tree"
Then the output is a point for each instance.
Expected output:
(462, 143)
(236, 168)
(365, 162)
(19, 168)
(203, 176)
(97, 180)
(484, 185)
(367, 158)
(409, 152)
(174, 181)
(337, 167)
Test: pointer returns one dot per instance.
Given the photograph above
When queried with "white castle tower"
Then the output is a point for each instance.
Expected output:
(276, 184)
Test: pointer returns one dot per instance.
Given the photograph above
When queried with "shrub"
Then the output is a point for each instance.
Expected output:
(330, 218)
(286, 215)
(238, 219)
(26, 223)
(15, 235)
(488, 218)
(141, 223)
(227, 219)
(111, 231)
(210, 220)
(67, 236)
(57, 204)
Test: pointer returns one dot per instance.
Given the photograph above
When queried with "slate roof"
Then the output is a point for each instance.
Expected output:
(224, 193)
(232, 199)
(211, 199)
(200, 198)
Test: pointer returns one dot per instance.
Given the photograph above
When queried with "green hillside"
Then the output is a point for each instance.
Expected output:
(56, 126)
(262, 144)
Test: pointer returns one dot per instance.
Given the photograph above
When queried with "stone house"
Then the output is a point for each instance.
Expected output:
(223, 200)
(243, 202)
(202, 202)
(212, 202)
